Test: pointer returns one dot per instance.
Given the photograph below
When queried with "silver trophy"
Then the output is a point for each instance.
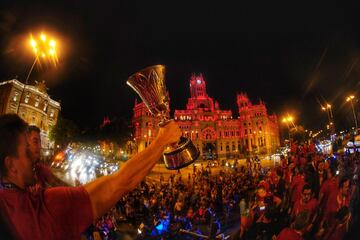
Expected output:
(149, 84)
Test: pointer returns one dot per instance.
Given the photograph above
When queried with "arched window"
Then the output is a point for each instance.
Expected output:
(227, 148)
(15, 96)
(27, 96)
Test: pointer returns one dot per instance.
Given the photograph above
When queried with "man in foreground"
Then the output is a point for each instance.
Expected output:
(44, 175)
(63, 212)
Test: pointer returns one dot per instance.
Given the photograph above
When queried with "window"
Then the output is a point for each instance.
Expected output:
(52, 113)
(250, 131)
(27, 97)
(45, 106)
(245, 131)
(15, 96)
(37, 101)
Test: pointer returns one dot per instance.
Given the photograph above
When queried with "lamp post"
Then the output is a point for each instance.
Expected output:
(289, 119)
(328, 109)
(350, 99)
(328, 106)
(45, 48)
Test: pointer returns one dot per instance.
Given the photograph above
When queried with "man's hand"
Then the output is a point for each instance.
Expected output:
(169, 134)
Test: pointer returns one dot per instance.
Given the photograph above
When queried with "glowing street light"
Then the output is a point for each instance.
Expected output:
(44, 47)
(289, 119)
(328, 109)
(350, 99)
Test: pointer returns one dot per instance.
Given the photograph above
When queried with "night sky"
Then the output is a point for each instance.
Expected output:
(289, 55)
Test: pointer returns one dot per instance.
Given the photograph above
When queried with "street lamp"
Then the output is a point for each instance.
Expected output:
(328, 109)
(289, 119)
(328, 106)
(350, 99)
(45, 48)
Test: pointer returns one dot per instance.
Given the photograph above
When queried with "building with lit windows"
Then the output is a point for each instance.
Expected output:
(32, 104)
(215, 132)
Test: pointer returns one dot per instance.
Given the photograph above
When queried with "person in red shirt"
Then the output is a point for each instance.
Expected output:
(293, 148)
(297, 186)
(339, 228)
(306, 202)
(343, 196)
(63, 212)
(328, 196)
(312, 147)
(297, 229)
(321, 173)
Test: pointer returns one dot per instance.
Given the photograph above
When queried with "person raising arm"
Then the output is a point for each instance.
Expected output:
(62, 212)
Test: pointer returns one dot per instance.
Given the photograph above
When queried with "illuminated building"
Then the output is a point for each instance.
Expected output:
(32, 104)
(214, 131)
(145, 126)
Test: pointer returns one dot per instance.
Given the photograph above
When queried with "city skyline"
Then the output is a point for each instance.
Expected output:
(290, 57)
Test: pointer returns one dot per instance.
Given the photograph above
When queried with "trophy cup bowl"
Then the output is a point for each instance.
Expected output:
(149, 84)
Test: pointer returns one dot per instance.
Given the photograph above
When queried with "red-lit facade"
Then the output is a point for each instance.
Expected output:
(214, 131)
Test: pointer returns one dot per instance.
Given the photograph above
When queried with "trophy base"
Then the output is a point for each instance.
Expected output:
(185, 154)
(179, 167)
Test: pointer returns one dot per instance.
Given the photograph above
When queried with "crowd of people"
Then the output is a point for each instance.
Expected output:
(308, 195)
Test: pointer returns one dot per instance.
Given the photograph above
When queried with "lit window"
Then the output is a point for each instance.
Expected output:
(52, 113)
(45, 106)
(37, 101)
(198, 81)
(15, 96)
(27, 97)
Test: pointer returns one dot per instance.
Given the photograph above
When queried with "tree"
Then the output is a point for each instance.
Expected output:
(63, 132)
(298, 134)
(118, 131)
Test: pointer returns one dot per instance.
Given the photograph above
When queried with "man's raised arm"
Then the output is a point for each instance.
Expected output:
(104, 192)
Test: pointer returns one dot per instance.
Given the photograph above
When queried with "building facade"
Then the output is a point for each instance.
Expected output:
(215, 132)
(32, 104)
